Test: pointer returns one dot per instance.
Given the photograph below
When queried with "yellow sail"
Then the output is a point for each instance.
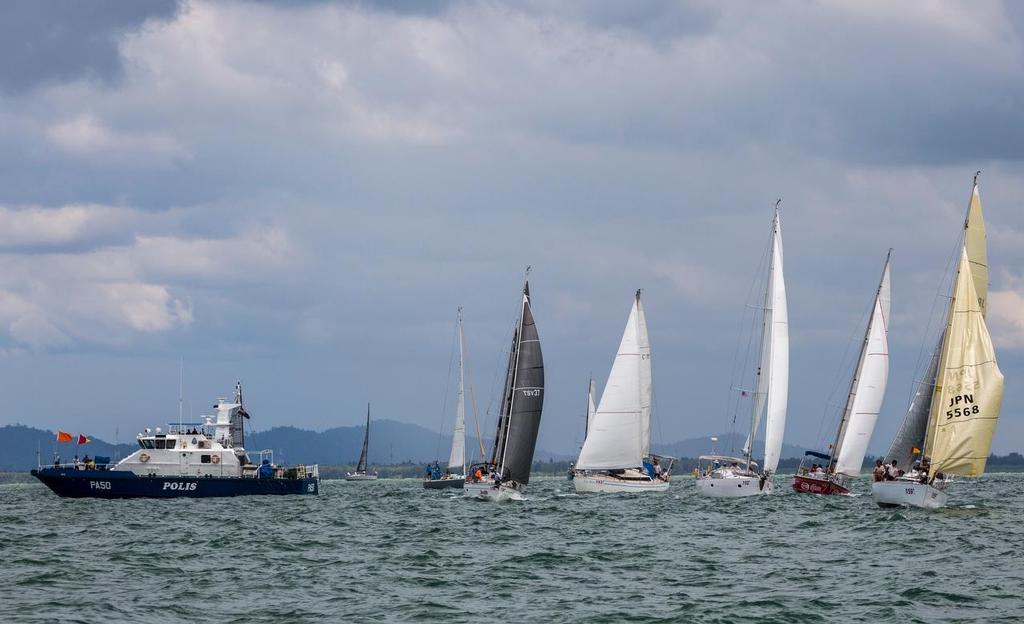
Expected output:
(968, 387)
(974, 241)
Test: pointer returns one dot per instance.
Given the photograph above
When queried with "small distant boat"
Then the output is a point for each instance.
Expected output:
(361, 473)
(863, 404)
(455, 476)
(725, 476)
(948, 429)
(505, 476)
(616, 455)
(189, 460)
(571, 472)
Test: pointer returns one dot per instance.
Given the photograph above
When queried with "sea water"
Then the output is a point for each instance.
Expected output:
(389, 551)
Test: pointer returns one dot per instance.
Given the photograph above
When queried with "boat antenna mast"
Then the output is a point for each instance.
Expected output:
(181, 390)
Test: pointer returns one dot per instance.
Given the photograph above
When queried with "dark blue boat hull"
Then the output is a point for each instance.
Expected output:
(126, 484)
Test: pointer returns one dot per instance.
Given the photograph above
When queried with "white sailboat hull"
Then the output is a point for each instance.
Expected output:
(609, 483)
(906, 493)
(733, 487)
(487, 491)
(360, 476)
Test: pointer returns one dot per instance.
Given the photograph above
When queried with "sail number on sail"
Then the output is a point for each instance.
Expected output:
(966, 410)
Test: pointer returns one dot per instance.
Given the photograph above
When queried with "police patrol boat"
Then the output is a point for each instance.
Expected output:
(189, 459)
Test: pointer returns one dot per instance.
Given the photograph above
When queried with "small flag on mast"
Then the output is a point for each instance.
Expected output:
(83, 439)
(63, 436)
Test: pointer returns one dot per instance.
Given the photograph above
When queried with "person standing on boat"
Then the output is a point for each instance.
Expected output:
(879, 472)
(892, 472)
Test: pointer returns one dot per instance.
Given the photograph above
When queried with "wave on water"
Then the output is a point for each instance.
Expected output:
(391, 551)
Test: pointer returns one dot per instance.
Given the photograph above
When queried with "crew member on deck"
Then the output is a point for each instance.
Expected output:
(879, 472)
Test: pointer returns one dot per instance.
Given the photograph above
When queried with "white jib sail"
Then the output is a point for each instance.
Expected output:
(868, 391)
(619, 435)
(773, 376)
(457, 458)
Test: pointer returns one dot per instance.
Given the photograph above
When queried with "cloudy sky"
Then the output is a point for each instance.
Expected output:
(301, 194)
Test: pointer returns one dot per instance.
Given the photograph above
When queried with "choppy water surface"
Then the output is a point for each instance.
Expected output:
(390, 551)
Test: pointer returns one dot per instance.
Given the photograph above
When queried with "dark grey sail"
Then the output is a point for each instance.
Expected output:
(522, 406)
(361, 467)
(915, 424)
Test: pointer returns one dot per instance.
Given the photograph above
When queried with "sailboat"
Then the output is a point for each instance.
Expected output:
(455, 476)
(725, 476)
(614, 457)
(505, 476)
(863, 404)
(949, 426)
(361, 474)
(591, 410)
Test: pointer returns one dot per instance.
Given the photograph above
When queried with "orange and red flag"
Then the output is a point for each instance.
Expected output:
(63, 436)
(83, 439)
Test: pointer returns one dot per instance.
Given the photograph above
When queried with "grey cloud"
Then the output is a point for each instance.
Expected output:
(62, 40)
(607, 154)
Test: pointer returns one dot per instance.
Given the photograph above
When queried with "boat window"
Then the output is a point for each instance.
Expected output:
(159, 443)
(171, 443)
(204, 459)
(147, 443)
(142, 444)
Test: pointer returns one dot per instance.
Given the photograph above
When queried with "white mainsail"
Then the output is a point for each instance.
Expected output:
(620, 429)
(867, 390)
(773, 374)
(457, 458)
(969, 385)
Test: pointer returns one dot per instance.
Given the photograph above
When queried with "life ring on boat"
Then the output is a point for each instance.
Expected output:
(144, 458)
(215, 459)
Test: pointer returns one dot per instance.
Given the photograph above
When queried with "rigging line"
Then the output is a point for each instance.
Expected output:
(922, 362)
(515, 376)
(472, 394)
(447, 388)
(733, 404)
(843, 371)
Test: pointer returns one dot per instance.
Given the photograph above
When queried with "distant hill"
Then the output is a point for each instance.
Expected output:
(727, 444)
(19, 444)
(391, 442)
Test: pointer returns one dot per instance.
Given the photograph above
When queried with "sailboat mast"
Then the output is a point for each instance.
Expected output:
(514, 375)
(462, 393)
(504, 411)
(766, 320)
(363, 456)
(590, 401)
(852, 393)
(974, 244)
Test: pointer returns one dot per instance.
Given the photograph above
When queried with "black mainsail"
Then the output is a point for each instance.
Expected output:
(361, 467)
(523, 400)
